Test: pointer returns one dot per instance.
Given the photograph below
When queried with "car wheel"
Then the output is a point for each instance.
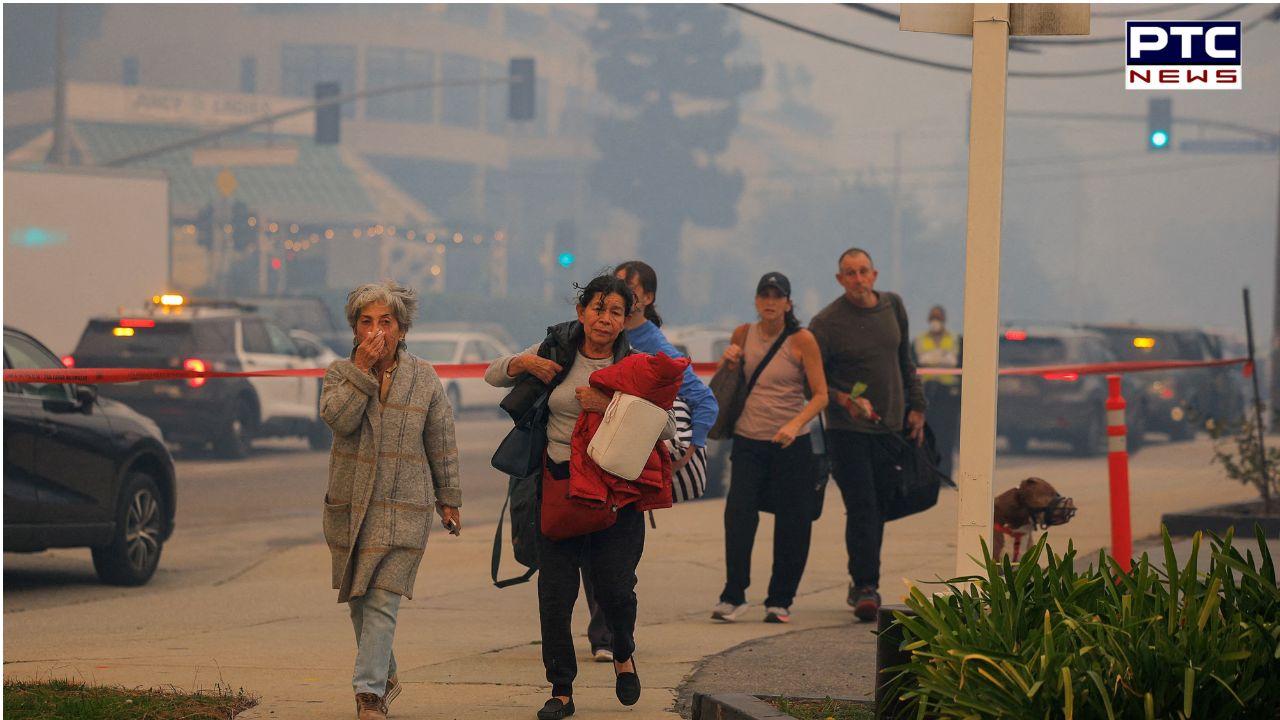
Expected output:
(233, 441)
(455, 398)
(1093, 441)
(1017, 443)
(134, 552)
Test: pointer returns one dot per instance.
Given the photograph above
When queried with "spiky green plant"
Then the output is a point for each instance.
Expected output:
(1028, 641)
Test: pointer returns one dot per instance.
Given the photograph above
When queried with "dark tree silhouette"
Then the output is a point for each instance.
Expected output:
(675, 91)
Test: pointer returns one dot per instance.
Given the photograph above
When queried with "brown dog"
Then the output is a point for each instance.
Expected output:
(1033, 505)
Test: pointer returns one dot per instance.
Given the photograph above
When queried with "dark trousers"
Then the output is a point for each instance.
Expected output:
(944, 418)
(609, 558)
(598, 629)
(858, 462)
(767, 476)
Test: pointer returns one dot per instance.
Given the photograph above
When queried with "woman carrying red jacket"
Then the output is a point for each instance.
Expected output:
(564, 362)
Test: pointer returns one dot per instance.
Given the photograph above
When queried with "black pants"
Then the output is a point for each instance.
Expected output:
(858, 463)
(609, 557)
(598, 629)
(944, 418)
(766, 475)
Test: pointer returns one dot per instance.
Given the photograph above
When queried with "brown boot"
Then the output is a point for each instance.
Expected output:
(370, 707)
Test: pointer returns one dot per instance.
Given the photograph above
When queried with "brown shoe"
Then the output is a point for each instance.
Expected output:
(370, 707)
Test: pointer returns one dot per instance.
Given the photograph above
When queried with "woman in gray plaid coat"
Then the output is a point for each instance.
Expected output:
(394, 460)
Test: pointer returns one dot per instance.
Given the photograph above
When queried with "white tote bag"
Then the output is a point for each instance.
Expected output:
(626, 437)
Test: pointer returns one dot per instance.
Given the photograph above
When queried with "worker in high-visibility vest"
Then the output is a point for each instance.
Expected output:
(938, 348)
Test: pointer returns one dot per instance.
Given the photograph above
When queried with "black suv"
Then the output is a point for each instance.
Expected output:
(1179, 401)
(80, 470)
(227, 412)
(1063, 406)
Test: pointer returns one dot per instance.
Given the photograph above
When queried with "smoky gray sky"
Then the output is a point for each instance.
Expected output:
(1167, 239)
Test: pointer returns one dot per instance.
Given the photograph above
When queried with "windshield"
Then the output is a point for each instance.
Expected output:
(1032, 351)
(436, 351)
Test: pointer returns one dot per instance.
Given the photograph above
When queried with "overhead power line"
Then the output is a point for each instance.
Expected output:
(1065, 41)
(1274, 15)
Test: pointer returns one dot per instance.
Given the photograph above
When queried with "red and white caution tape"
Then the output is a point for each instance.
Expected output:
(97, 376)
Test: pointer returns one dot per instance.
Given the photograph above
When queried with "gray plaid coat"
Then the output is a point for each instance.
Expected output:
(390, 464)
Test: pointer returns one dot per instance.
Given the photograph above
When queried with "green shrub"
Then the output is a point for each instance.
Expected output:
(1028, 641)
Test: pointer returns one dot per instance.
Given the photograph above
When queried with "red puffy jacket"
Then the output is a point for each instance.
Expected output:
(655, 378)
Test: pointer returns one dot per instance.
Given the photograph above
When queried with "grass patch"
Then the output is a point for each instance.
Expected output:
(64, 700)
(825, 709)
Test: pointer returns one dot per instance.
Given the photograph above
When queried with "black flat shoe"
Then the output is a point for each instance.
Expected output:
(555, 709)
(627, 686)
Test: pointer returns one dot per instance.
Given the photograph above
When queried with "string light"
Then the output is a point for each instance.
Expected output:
(410, 235)
(435, 270)
(355, 233)
(328, 234)
(294, 228)
(273, 227)
(457, 238)
(253, 221)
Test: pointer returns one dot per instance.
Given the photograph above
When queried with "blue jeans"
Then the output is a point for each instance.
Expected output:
(373, 615)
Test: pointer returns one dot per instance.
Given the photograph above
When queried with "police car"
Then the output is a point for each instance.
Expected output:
(174, 333)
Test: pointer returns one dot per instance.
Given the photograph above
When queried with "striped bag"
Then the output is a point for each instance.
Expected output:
(690, 482)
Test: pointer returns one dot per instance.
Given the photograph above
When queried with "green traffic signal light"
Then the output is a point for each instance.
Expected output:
(1159, 139)
(565, 259)
(1159, 123)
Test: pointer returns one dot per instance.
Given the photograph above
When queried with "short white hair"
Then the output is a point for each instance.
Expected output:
(403, 302)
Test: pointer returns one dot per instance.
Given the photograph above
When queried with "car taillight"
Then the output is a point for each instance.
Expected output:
(1062, 376)
(1016, 335)
(68, 361)
(195, 365)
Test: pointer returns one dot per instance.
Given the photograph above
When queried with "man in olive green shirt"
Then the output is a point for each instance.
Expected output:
(864, 340)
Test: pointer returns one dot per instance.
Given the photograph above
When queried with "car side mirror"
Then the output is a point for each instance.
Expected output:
(86, 396)
(307, 350)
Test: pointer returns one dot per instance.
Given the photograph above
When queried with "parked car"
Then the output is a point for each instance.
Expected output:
(440, 348)
(228, 412)
(298, 312)
(1060, 406)
(1178, 402)
(313, 348)
(82, 471)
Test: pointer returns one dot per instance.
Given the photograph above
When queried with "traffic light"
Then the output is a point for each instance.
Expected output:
(242, 236)
(329, 117)
(1159, 124)
(566, 236)
(521, 89)
(204, 226)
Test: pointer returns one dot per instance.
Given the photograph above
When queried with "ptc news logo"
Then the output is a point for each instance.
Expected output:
(1179, 55)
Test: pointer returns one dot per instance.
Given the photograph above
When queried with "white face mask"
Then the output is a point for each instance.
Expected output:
(935, 326)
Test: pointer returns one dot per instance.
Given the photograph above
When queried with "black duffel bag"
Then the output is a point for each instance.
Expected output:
(913, 476)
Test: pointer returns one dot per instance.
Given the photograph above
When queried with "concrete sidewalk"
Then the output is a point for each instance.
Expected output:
(467, 650)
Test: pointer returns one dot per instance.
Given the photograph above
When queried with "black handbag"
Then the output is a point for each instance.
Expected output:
(914, 478)
(520, 452)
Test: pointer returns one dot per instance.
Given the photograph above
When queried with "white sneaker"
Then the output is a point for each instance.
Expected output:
(602, 655)
(727, 612)
(777, 615)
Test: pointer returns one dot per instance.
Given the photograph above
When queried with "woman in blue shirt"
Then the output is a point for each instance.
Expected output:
(644, 333)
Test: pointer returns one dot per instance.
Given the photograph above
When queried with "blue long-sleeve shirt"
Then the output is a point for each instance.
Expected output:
(703, 408)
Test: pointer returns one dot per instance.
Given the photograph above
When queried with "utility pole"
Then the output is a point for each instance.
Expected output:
(58, 151)
(895, 222)
(1274, 393)
(990, 24)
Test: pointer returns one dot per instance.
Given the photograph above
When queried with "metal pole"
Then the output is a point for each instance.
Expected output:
(1275, 321)
(58, 151)
(982, 282)
(1257, 406)
(310, 107)
(895, 222)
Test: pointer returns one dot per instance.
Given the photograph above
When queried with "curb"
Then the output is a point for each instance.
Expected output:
(1219, 519)
(741, 706)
